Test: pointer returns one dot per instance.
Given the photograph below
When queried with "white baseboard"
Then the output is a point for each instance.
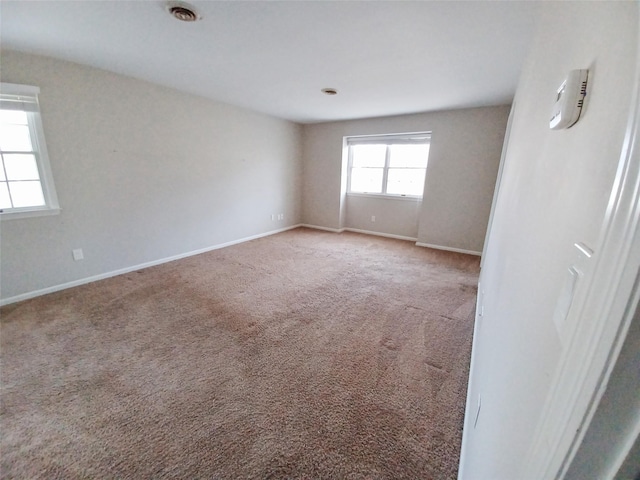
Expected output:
(102, 276)
(449, 249)
(357, 230)
(318, 227)
(380, 234)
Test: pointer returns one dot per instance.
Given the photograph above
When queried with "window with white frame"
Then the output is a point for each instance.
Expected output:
(391, 165)
(26, 183)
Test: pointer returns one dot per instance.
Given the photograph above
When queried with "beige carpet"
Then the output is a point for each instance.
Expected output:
(301, 355)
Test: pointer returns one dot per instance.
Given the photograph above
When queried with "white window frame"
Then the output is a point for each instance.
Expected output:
(25, 98)
(390, 139)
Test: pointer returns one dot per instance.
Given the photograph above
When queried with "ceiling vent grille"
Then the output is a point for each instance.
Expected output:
(183, 12)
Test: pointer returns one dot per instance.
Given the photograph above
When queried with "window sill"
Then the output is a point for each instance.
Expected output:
(404, 198)
(29, 213)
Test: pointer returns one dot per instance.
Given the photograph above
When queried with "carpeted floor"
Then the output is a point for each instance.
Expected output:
(301, 355)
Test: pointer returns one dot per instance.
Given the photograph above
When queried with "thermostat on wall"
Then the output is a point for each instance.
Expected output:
(569, 100)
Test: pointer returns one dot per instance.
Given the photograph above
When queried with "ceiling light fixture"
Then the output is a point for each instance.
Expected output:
(183, 11)
(329, 91)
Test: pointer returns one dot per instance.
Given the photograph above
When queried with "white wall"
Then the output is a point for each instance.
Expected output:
(554, 192)
(463, 162)
(143, 173)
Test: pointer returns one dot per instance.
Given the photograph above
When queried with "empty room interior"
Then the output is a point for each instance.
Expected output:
(320, 239)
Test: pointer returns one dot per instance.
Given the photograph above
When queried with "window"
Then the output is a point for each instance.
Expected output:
(392, 165)
(26, 183)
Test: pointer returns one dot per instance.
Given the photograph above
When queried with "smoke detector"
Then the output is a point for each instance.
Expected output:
(183, 11)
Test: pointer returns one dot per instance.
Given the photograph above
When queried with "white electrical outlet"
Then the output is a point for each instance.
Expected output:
(77, 254)
(273, 217)
(281, 216)
(373, 218)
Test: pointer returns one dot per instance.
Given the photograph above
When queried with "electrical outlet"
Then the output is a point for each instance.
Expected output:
(281, 216)
(273, 217)
(77, 254)
(373, 218)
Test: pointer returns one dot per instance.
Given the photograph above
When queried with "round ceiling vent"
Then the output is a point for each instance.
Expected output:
(183, 11)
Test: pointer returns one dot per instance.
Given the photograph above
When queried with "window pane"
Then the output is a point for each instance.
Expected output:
(2, 177)
(5, 201)
(26, 194)
(368, 155)
(21, 167)
(15, 138)
(412, 156)
(13, 116)
(366, 180)
(406, 181)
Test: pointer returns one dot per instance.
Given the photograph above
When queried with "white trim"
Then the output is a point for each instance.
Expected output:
(387, 196)
(18, 89)
(391, 235)
(380, 234)
(449, 249)
(102, 276)
(498, 183)
(41, 212)
(44, 162)
(357, 230)
(113, 273)
(414, 138)
(326, 229)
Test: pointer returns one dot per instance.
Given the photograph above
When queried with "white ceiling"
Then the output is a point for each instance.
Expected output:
(384, 57)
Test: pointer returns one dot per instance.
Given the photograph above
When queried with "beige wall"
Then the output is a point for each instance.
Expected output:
(392, 216)
(554, 192)
(463, 163)
(143, 173)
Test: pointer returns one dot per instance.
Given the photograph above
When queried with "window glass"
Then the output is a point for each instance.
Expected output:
(21, 167)
(5, 200)
(406, 181)
(366, 180)
(16, 117)
(20, 178)
(15, 138)
(412, 156)
(368, 155)
(26, 194)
